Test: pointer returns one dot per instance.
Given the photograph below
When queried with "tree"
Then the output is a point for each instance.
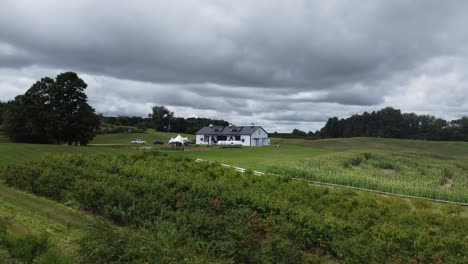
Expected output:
(161, 117)
(2, 108)
(52, 110)
(297, 132)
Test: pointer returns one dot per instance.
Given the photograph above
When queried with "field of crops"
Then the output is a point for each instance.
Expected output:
(13, 153)
(417, 174)
(171, 209)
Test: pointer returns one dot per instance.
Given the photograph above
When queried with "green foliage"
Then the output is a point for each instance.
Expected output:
(2, 108)
(171, 209)
(391, 123)
(52, 111)
(27, 248)
(414, 174)
(52, 257)
(164, 120)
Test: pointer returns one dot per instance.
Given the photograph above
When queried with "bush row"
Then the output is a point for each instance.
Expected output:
(170, 209)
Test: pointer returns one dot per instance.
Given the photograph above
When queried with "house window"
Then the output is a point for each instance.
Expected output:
(222, 137)
(237, 138)
(243, 140)
(201, 138)
(259, 132)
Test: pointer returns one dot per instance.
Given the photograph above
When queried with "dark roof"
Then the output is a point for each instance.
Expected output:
(229, 130)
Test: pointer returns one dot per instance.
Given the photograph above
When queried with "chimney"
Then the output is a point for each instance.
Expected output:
(211, 125)
(252, 124)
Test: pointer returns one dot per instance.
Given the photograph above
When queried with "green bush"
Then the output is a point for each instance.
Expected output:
(171, 209)
(27, 248)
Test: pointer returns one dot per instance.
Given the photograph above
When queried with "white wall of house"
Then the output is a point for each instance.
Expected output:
(260, 138)
(199, 140)
(245, 140)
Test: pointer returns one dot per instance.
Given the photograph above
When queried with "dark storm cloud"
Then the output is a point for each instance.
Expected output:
(266, 60)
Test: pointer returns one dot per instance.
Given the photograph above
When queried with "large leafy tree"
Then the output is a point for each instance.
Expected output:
(162, 118)
(52, 110)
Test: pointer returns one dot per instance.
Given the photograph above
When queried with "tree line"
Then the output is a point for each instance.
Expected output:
(388, 123)
(162, 119)
(51, 111)
(391, 123)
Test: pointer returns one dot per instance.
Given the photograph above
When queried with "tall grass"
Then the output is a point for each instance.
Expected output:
(418, 174)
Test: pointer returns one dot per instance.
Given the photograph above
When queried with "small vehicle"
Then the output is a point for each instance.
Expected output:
(138, 141)
(157, 142)
(190, 142)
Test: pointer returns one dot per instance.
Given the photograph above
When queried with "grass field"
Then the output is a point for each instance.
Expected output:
(29, 214)
(292, 150)
(401, 166)
(125, 138)
(420, 168)
(257, 158)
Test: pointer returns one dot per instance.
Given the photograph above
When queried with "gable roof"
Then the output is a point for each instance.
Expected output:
(229, 130)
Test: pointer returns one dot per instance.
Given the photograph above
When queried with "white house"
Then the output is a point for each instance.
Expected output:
(246, 135)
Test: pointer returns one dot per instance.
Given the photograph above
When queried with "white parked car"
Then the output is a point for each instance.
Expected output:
(138, 141)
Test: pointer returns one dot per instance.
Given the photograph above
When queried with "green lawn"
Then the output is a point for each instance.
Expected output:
(125, 138)
(257, 158)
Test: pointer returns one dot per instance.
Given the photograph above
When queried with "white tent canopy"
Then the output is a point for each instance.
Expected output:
(178, 139)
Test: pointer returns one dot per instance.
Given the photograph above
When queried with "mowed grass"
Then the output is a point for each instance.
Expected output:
(255, 158)
(124, 138)
(29, 214)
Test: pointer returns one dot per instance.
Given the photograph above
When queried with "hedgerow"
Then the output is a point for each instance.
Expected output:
(171, 209)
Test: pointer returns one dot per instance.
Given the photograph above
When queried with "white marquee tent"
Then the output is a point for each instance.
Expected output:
(178, 141)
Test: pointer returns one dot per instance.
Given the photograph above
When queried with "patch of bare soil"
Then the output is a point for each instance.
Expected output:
(448, 183)
(387, 171)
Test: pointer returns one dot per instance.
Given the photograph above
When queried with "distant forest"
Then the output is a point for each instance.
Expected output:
(391, 123)
(161, 119)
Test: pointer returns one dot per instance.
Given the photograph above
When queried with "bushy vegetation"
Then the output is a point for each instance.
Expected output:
(418, 174)
(172, 209)
(391, 123)
(27, 248)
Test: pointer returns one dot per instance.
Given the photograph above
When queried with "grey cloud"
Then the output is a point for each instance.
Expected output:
(282, 61)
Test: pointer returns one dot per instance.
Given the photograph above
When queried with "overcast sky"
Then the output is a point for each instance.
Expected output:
(280, 64)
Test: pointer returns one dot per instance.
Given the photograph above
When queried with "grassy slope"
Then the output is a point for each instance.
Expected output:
(125, 138)
(27, 213)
